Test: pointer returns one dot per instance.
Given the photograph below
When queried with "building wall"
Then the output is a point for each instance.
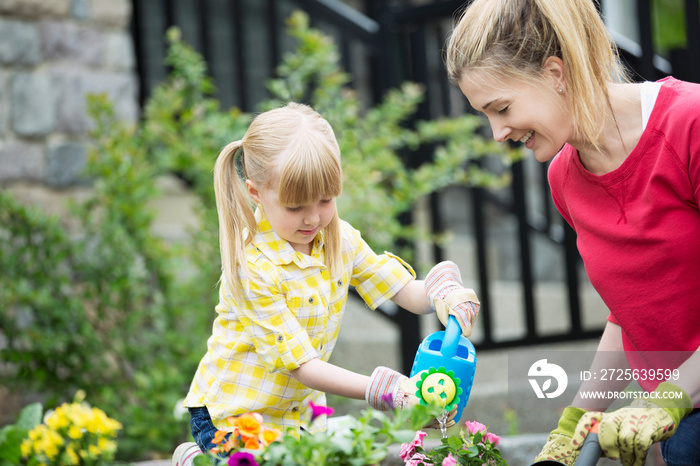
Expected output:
(52, 54)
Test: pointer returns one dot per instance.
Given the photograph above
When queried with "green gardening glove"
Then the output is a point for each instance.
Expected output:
(560, 446)
(627, 433)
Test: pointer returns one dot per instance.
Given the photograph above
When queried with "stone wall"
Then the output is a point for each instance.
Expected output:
(52, 54)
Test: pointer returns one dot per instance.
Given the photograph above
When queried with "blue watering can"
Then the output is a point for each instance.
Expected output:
(449, 360)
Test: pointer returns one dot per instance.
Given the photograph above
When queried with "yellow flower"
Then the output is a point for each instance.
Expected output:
(73, 457)
(26, 447)
(106, 446)
(269, 435)
(65, 428)
(75, 432)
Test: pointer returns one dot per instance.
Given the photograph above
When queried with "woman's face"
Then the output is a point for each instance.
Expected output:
(536, 115)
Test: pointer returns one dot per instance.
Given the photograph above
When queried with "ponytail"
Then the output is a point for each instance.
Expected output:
(237, 225)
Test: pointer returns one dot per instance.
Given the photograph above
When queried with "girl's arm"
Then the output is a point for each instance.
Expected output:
(412, 297)
(329, 378)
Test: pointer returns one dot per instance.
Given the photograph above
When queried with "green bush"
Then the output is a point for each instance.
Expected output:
(123, 315)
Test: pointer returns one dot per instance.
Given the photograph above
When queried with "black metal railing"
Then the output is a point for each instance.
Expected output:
(386, 44)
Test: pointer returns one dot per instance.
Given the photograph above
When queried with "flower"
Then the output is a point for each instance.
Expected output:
(319, 410)
(493, 438)
(72, 434)
(449, 460)
(362, 441)
(388, 399)
(408, 449)
(473, 427)
(241, 458)
(246, 431)
(474, 446)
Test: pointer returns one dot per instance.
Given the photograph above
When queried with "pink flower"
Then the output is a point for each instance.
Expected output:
(416, 460)
(408, 449)
(493, 438)
(319, 410)
(473, 427)
(418, 439)
(449, 460)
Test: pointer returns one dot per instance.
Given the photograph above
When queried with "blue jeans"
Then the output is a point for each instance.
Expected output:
(684, 447)
(202, 427)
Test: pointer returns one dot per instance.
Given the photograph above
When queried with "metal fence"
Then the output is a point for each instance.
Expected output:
(390, 42)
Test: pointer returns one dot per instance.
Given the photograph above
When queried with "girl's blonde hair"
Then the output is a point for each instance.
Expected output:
(294, 146)
(514, 38)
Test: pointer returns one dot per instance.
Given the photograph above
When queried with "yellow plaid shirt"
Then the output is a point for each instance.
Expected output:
(291, 314)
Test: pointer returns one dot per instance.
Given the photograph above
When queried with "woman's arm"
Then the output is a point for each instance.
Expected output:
(326, 377)
(689, 380)
(412, 297)
(610, 355)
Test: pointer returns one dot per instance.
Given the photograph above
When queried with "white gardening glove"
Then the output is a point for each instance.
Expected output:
(388, 389)
(448, 296)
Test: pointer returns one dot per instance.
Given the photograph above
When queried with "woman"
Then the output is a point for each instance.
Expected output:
(625, 174)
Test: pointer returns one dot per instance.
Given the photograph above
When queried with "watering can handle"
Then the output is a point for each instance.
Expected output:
(450, 342)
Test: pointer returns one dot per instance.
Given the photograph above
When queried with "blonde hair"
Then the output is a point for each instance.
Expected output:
(293, 145)
(514, 38)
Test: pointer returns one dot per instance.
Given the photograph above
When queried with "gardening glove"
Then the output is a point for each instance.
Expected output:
(560, 446)
(627, 433)
(388, 389)
(448, 296)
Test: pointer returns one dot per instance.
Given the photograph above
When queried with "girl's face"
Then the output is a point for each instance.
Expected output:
(298, 225)
(538, 116)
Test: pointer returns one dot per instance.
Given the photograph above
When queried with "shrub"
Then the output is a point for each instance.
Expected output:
(111, 311)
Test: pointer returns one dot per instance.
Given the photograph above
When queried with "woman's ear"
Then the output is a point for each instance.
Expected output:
(554, 70)
(253, 191)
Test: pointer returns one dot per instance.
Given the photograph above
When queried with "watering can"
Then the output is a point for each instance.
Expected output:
(447, 361)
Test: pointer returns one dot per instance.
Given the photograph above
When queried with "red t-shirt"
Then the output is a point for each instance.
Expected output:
(638, 228)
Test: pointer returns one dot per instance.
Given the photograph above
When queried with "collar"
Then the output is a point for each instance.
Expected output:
(278, 250)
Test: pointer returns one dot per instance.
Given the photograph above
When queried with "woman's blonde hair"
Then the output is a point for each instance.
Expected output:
(514, 38)
(294, 146)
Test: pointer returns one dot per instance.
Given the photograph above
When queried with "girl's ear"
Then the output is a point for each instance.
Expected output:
(253, 191)
(554, 70)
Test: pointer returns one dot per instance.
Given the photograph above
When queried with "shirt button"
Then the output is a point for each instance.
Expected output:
(280, 337)
(295, 409)
(311, 300)
(340, 282)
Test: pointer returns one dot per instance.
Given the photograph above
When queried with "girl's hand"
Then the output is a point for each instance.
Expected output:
(388, 389)
(448, 296)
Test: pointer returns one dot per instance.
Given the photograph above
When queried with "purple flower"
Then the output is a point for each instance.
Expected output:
(318, 410)
(388, 400)
(241, 458)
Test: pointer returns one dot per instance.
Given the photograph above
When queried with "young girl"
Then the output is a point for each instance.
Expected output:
(287, 265)
(625, 174)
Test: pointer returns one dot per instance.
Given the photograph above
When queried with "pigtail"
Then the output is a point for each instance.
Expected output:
(237, 224)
